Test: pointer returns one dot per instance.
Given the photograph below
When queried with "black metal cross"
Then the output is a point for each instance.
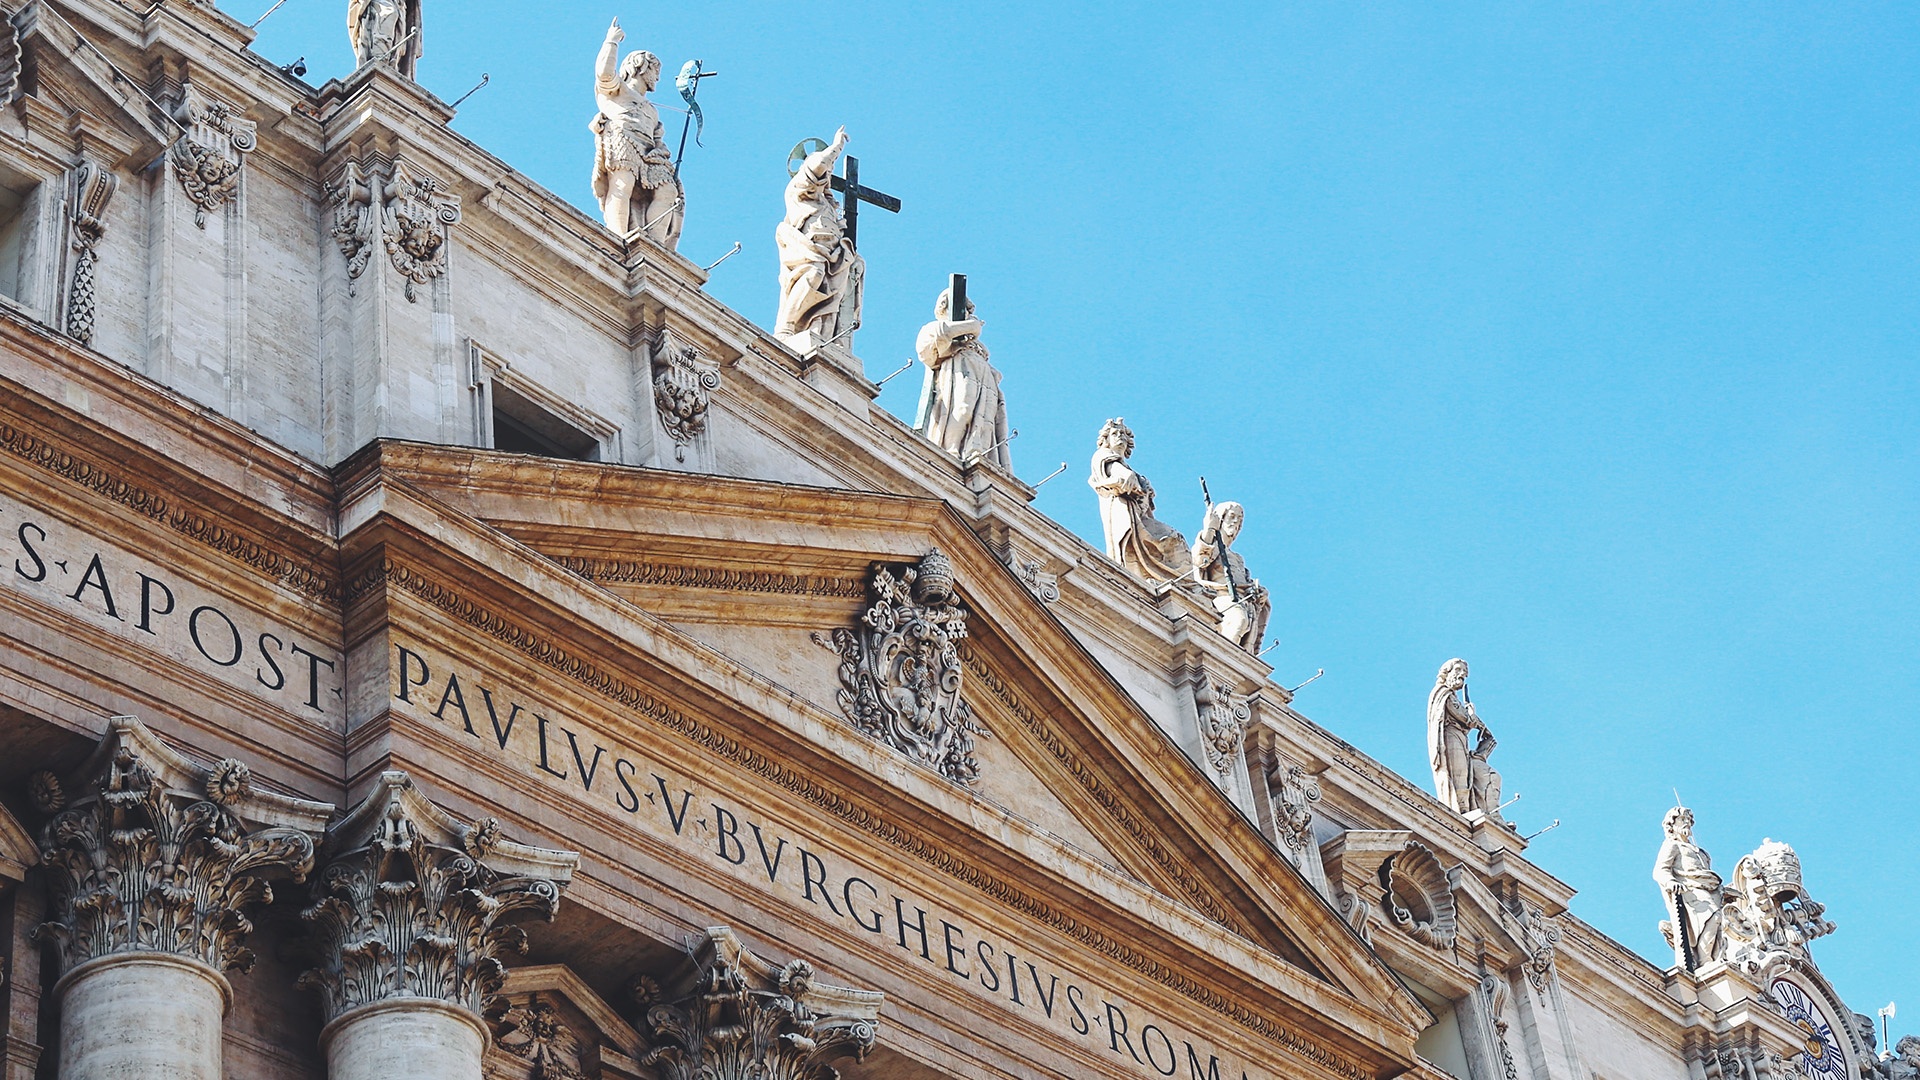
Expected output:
(855, 194)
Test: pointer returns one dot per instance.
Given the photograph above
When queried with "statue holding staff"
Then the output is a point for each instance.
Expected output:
(1222, 577)
(633, 174)
(385, 32)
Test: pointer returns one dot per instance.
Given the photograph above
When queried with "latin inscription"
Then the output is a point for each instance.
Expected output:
(145, 603)
(801, 869)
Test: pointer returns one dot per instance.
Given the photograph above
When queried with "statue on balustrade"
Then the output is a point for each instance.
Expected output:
(633, 174)
(385, 32)
(1222, 577)
(1463, 778)
(821, 275)
(961, 408)
(1153, 550)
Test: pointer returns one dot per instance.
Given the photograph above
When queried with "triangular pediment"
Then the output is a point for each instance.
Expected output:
(761, 575)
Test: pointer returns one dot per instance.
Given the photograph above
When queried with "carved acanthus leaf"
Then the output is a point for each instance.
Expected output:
(731, 1015)
(900, 670)
(154, 854)
(352, 195)
(416, 904)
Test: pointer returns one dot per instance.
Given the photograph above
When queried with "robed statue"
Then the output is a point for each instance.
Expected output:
(1222, 577)
(961, 408)
(1150, 548)
(633, 174)
(385, 32)
(1462, 777)
(820, 274)
(1692, 892)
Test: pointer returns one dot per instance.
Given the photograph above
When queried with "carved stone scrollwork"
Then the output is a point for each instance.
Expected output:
(353, 218)
(414, 904)
(94, 185)
(1223, 723)
(900, 670)
(1295, 790)
(1494, 991)
(532, 1029)
(683, 386)
(1419, 895)
(731, 1015)
(156, 854)
(1540, 936)
(208, 155)
(418, 212)
(1032, 573)
(1768, 918)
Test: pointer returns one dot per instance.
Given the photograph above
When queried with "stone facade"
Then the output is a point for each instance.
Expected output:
(468, 570)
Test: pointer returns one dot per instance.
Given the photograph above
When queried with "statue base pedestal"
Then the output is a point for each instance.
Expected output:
(831, 368)
(1491, 834)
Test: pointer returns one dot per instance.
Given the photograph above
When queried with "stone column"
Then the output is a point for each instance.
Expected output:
(151, 864)
(411, 917)
(731, 1015)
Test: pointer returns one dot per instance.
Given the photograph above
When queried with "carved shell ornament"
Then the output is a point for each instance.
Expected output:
(1419, 896)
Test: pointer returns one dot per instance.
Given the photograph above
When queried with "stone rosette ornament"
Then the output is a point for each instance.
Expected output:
(900, 669)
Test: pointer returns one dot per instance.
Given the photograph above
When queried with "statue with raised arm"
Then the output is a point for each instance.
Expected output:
(1462, 776)
(820, 274)
(633, 173)
(385, 32)
(961, 408)
(1152, 549)
(1692, 892)
(1222, 576)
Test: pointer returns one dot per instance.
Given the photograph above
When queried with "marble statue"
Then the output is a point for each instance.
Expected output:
(1462, 776)
(633, 173)
(385, 32)
(1152, 549)
(1222, 577)
(961, 408)
(1905, 1062)
(1691, 890)
(821, 276)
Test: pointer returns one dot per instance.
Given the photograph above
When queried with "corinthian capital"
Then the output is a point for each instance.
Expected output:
(730, 1015)
(413, 903)
(147, 851)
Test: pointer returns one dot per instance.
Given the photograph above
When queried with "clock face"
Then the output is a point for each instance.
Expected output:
(1822, 1058)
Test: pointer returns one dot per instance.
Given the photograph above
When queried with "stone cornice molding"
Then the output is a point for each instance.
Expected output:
(730, 1014)
(147, 851)
(414, 903)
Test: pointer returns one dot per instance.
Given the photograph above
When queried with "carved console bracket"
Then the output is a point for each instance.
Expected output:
(411, 212)
(900, 669)
(419, 211)
(413, 903)
(683, 384)
(93, 186)
(147, 851)
(731, 1015)
(1224, 718)
(210, 151)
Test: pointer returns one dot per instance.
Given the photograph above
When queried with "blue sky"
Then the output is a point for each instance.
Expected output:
(1576, 340)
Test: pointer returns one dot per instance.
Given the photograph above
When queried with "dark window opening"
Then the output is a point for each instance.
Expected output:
(521, 427)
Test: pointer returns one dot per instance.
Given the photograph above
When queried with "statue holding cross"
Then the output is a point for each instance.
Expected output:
(962, 410)
(821, 272)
